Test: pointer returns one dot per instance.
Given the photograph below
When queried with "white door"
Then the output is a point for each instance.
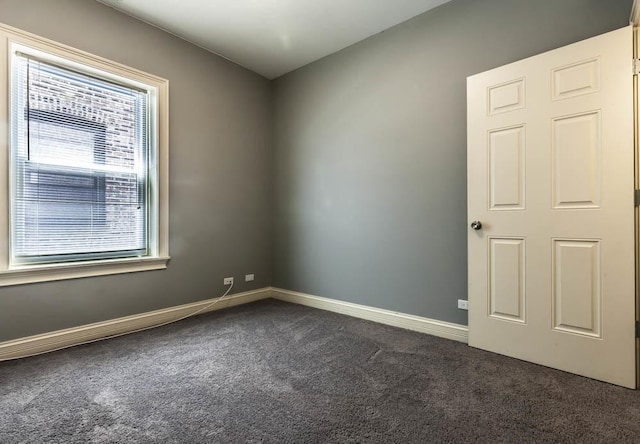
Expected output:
(551, 179)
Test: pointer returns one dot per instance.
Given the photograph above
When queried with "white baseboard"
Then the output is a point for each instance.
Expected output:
(433, 327)
(57, 340)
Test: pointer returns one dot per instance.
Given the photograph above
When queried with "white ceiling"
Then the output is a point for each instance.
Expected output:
(273, 37)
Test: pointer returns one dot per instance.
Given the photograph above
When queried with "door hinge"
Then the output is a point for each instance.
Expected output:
(636, 198)
(636, 67)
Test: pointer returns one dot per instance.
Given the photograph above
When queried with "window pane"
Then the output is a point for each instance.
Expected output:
(79, 166)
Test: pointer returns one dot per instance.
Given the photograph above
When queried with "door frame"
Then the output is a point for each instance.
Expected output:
(635, 13)
(636, 143)
(634, 20)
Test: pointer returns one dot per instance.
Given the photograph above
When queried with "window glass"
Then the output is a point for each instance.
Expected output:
(79, 158)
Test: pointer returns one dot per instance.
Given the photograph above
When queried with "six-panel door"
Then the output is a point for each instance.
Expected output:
(551, 179)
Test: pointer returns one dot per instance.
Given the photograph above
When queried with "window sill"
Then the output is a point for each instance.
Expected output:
(56, 272)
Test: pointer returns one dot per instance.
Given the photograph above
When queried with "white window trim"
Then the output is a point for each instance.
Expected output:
(159, 225)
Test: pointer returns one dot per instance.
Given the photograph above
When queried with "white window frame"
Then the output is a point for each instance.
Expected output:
(12, 39)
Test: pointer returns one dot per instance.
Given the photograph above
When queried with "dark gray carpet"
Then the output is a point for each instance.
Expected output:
(273, 372)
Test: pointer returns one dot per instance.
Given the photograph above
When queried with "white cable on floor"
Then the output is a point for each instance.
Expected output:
(200, 310)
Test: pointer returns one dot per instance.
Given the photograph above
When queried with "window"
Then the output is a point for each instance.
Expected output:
(78, 158)
(87, 165)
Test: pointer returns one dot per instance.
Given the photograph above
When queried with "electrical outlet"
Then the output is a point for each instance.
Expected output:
(249, 277)
(228, 281)
(463, 304)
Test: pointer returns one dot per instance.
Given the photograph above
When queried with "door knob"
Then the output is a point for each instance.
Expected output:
(476, 224)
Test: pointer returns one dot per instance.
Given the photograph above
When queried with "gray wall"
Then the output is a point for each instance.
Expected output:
(368, 162)
(220, 130)
(370, 151)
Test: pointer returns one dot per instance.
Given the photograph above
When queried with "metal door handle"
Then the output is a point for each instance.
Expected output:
(476, 224)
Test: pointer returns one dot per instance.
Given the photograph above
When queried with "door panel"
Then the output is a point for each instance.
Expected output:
(506, 169)
(506, 279)
(551, 177)
(575, 150)
(577, 287)
(576, 79)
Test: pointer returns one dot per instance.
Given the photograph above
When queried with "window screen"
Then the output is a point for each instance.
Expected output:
(79, 165)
